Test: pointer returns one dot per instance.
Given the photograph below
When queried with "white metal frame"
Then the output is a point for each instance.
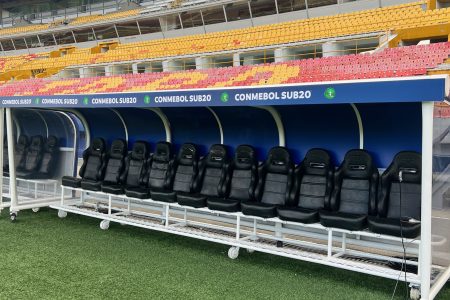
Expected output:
(245, 232)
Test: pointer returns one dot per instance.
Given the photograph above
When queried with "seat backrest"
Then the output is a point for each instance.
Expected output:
(355, 186)
(408, 191)
(186, 168)
(94, 160)
(160, 173)
(213, 172)
(276, 178)
(49, 156)
(33, 157)
(136, 165)
(116, 161)
(20, 151)
(314, 180)
(244, 174)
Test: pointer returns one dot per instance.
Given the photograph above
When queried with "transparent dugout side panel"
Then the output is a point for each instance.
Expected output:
(440, 224)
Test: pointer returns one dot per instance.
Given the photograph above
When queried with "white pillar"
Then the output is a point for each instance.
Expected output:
(236, 59)
(12, 164)
(171, 65)
(135, 69)
(81, 72)
(109, 70)
(283, 54)
(333, 49)
(202, 63)
(426, 203)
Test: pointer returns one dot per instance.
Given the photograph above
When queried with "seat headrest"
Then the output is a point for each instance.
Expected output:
(317, 162)
(187, 154)
(410, 163)
(278, 160)
(358, 164)
(118, 149)
(244, 157)
(97, 146)
(23, 141)
(36, 142)
(217, 156)
(51, 143)
(163, 152)
(140, 150)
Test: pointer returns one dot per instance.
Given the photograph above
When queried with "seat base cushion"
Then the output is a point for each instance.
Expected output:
(335, 219)
(392, 227)
(42, 176)
(71, 181)
(193, 200)
(163, 196)
(115, 189)
(259, 209)
(91, 185)
(25, 175)
(298, 214)
(221, 204)
(137, 192)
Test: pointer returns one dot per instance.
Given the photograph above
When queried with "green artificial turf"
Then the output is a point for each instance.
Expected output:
(44, 257)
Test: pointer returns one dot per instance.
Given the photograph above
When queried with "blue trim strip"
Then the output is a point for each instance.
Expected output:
(376, 91)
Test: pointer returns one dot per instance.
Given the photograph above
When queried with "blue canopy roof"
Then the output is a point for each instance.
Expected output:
(410, 89)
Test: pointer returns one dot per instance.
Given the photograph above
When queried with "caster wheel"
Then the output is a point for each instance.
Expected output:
(13, 217)
(36, 209)
(62, 214)
(414, 293)
(279, 244)
(233, 252)
(104, 225)
(250, 250)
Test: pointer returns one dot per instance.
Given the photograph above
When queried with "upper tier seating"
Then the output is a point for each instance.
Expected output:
(354, 194)
(33, 158)
(106, 17)
(185, 169)
(395, 62)
(211, 180)
(276, 178)
(160, 173)
(241, 185)
(410, 15)
(312, 188)
(23, 29)
(400, 199)
(91, 172)
(134, 171)
(49, 159)
(116, 163)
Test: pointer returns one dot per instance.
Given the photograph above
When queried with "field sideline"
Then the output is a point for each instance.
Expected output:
(44, 257)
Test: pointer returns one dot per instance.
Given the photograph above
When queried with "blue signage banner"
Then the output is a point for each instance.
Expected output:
(430, 88)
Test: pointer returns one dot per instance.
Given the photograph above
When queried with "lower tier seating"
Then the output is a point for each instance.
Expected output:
(395, 62)
(346, 199)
